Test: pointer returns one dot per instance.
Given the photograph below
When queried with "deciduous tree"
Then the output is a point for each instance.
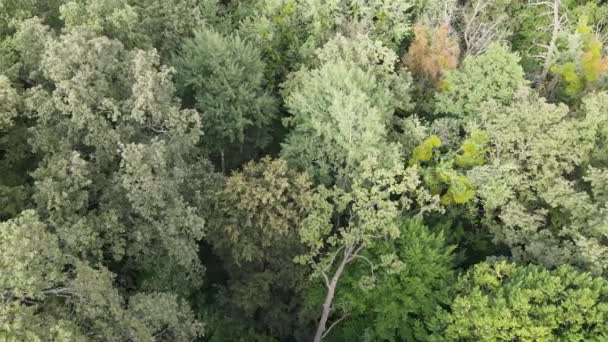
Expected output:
(255, 227)
(495, 74)
(503, 301)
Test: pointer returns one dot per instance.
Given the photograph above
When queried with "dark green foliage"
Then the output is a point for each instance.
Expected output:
(255, 227)
(394, 290)
(223, 78)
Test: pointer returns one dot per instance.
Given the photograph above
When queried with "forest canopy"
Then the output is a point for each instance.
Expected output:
(303, 170)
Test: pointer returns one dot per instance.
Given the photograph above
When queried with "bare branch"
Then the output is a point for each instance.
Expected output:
(354, 254)
(61, 291)
(371, 264)
(326, 279)
(552, 47)
(329, 296)
(477, 34)
(334, 324)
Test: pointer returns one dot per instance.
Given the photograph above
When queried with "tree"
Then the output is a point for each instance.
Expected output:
(582, 66)
(386, 20)
(114, 188)
(356, 187)
(505, 301)
(541, 26)
(485, 23)
(12, 13)
(433, 52)
(443, 174)
(394, 292)
(364, 214)
(289, 32)
(40, 299)
(15, 157)
(495, 74)
(141, 23)
(223, 78)
(255, 228)
(541, 196)
(342, 111)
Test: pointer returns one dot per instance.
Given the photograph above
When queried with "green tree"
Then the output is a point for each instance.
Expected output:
(289, 32)
(364, 214)
(386, 20)
(255, 226)
(500, 301)
(495, 75)
(540, 192)
(342, 111)
(393, 294)
(223, 77)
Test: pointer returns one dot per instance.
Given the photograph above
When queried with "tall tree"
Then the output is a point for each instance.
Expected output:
(364, 214)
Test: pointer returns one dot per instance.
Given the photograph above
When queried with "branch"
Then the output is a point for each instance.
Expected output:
(371, 264)
(354, 254)
(552, 44)
(158, 130)
(334, 324)
(60, 292)
(326, 279)
(160, 332)
(334, 255)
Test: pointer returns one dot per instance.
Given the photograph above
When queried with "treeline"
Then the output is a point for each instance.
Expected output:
(297, 170)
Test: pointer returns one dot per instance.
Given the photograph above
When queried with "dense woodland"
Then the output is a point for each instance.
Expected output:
(303, 170)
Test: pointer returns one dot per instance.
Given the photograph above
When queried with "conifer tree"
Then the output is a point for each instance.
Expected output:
(223, 78)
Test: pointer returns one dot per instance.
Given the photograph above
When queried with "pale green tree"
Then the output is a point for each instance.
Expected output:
(141, 23)
(541, 195)
(40, 299)
(16, 157)
(12, 13)
(113, 194)
(342, 110)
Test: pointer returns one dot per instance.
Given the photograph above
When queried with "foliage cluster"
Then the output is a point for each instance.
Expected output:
(296, 170)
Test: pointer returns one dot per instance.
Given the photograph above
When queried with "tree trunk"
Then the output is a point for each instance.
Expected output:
(223, 162)
(329, 297)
